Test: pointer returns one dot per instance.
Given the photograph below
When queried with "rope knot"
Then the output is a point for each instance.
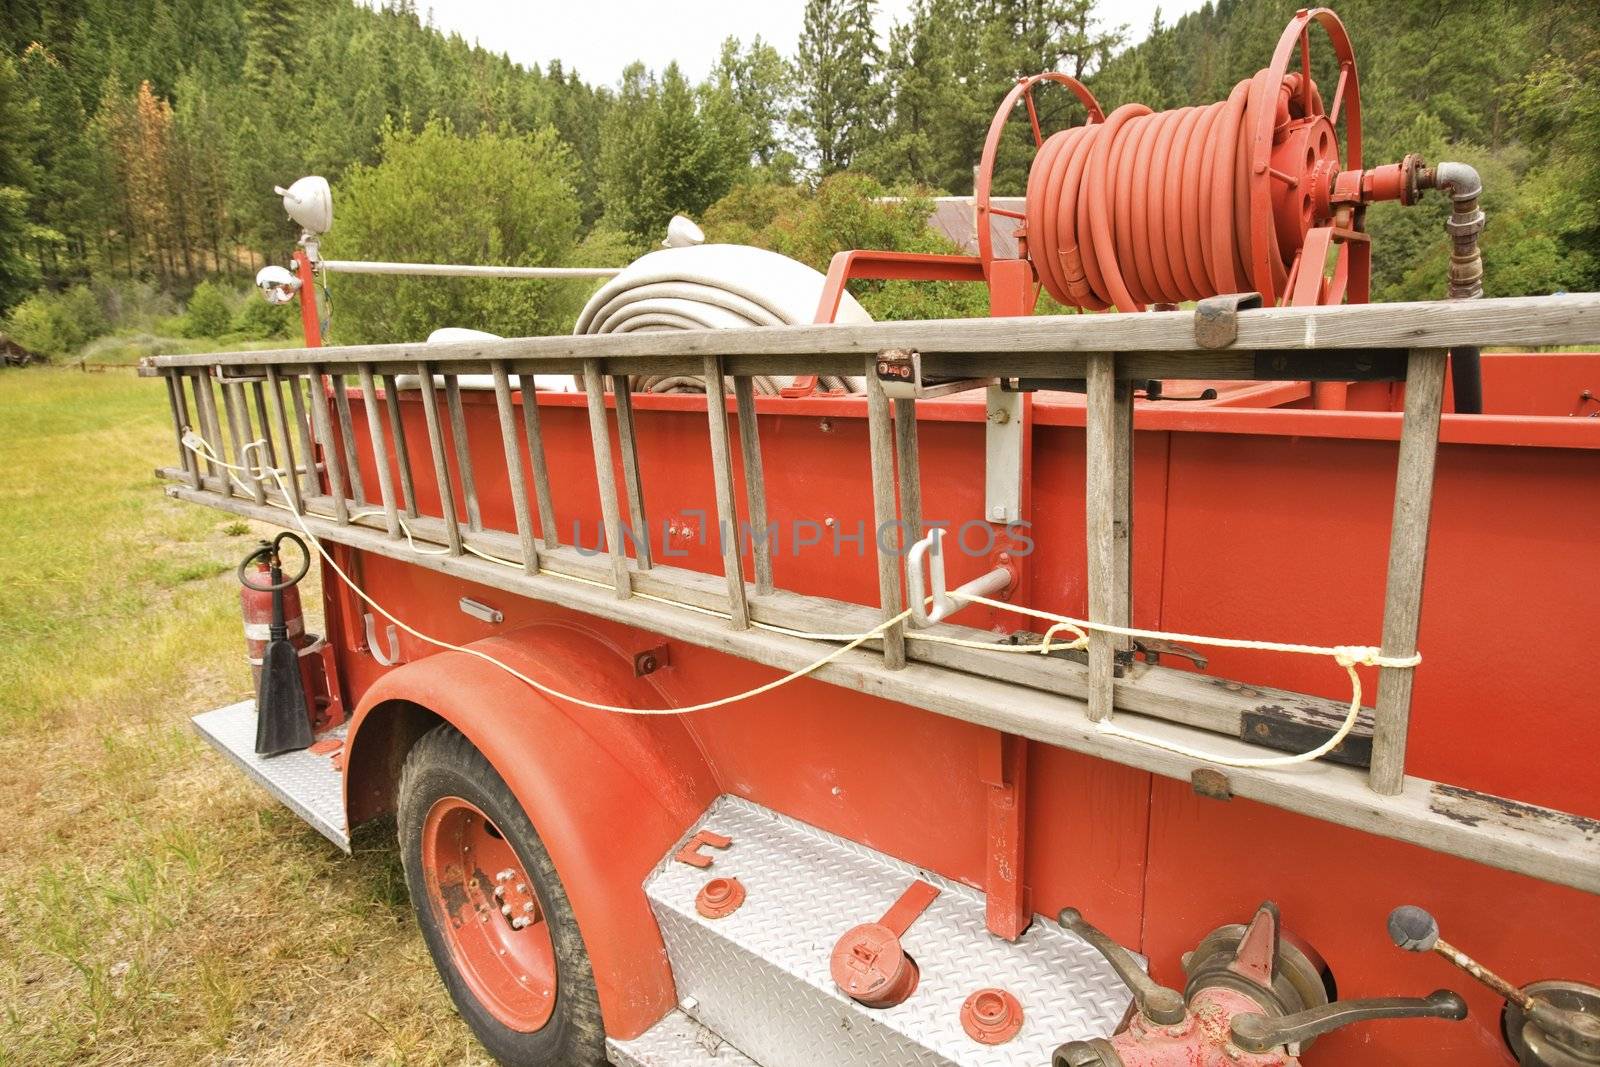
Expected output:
(1351, 655)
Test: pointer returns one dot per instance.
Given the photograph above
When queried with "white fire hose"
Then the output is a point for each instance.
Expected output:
(713, 287)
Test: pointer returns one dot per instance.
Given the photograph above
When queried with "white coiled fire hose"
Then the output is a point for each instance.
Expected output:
(715, 287)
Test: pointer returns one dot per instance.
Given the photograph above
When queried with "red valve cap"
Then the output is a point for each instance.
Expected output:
(719, 897)
(991, 1016)
(870, 966)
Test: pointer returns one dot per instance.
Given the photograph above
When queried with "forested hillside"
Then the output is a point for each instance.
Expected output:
(140, 139)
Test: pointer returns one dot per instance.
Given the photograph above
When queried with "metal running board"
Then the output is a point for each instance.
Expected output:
(308, 783)
(676, 1041)
(759, 978)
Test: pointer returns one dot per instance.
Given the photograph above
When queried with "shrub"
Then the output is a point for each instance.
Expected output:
(438, 197)
(848, 211)
(258, 320)
(210, 312)
(56, 324)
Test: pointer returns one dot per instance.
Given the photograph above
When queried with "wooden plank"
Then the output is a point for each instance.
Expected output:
(880, 437)
(205, 402)
(722, 473)
(318, 400)
(291, 476)
(463, 449)
(380, 454)
(755, 480)
(1569, 319)
(1539, 842)
(536, 461)
(1108, 523)
(347, 440)
(519, 484)
(629, 448)
(1294, 721)
(605, 477)
(180, 423)
(302, 423)
(258, 389)
(238, 407)
(905, 442)
(1408, 555)
(402, 452)
(441, 467)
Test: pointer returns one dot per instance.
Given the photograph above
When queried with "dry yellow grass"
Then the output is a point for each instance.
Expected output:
(155, 906)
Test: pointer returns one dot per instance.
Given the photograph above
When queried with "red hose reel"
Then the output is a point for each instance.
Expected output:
(1262, 191)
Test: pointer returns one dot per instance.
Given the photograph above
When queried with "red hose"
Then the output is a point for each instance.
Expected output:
(1155, 207)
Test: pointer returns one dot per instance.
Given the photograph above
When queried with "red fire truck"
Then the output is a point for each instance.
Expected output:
(1034, 689)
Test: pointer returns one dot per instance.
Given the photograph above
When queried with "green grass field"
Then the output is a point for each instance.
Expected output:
(155, 906)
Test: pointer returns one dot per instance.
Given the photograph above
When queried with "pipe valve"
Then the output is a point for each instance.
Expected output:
(1256, 997)
(1546, 1024)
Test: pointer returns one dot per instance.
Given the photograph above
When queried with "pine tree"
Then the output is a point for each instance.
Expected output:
(834, 72)
(18, 117)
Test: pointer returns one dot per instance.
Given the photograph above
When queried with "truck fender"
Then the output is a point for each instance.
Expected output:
(608, 793)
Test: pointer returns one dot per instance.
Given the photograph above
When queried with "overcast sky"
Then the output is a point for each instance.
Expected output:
(600, 37)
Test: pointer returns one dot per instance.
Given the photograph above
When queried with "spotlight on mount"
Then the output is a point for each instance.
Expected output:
(309, 202)
(277, 284)
(682, 232)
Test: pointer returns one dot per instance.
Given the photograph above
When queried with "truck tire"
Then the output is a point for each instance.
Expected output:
(492, 909)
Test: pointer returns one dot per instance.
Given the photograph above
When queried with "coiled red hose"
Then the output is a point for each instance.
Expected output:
(1154, 207)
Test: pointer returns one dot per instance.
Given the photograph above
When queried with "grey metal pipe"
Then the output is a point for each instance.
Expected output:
(1463, 185)
(460, 270)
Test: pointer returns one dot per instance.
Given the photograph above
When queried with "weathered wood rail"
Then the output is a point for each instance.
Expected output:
(1052, 699)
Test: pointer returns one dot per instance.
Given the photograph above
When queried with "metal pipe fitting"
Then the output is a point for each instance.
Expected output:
(1461, 182)
(1463, 185)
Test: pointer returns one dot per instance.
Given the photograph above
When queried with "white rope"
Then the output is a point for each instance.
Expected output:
(201, 448)
(1346, 656)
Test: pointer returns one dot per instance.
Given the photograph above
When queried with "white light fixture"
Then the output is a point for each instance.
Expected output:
(682, 232)
(277, 284)
(309, 202)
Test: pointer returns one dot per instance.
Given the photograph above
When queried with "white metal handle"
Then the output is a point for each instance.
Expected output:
(943, 604)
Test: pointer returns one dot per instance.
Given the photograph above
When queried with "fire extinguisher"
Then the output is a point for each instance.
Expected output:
(256, 606)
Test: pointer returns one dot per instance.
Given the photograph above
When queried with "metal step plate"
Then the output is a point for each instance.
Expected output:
(760, 977)
(307, 782)
(676, 1041)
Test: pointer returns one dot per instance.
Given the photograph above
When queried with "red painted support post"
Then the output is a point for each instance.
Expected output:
(309, 323)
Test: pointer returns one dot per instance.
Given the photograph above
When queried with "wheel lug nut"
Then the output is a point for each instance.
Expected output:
(518, 923)
(528, 906)
(505, 909)
(521, 887)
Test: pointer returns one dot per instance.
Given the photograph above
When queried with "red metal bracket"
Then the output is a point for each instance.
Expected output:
(912, 903)
(690, 853)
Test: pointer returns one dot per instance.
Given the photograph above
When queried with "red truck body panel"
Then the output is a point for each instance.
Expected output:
(1249, 522)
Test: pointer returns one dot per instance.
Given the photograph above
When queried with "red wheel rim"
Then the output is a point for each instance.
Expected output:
(489, 914)
(1352, 270)
(981, 186)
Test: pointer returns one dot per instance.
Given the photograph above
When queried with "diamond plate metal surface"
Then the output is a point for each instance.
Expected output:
(676, 1041)
(760, 977)
(308, 783)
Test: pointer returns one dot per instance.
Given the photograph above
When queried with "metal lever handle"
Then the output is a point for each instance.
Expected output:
(1156, 1002)
(1259, 1033)
(1415, 930)
(931, 549)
